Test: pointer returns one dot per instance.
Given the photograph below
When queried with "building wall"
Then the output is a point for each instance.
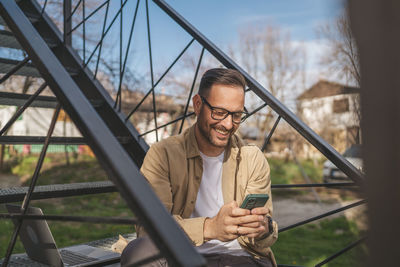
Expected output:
(36, 122)
(319, 113)
(329, 117)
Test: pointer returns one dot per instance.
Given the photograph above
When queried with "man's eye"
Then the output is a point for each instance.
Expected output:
(237, 115)
(219, 112)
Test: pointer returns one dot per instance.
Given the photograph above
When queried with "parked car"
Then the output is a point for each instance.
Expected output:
(332, 174)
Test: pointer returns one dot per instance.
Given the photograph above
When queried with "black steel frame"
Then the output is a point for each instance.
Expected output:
(118, 163)
(267, 97)
(36, 52)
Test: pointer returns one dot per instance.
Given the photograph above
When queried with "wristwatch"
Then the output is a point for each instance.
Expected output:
(270, 228)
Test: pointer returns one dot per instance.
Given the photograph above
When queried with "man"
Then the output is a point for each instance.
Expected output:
(203, 175)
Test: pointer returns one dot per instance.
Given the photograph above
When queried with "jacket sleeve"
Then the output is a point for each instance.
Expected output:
(259, 182)
(155, 168)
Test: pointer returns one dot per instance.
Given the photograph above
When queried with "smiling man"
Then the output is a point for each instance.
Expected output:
(203, 175)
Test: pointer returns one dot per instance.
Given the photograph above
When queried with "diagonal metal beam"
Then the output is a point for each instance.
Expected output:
(191, 89)
(22, 109)
(121, 168)
(35, 176)
(340, 252)
(267, 97)
(21, 67)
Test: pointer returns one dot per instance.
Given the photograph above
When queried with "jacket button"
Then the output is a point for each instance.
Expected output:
(192, 202)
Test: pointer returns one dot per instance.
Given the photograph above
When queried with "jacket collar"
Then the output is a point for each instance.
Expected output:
(192, 149)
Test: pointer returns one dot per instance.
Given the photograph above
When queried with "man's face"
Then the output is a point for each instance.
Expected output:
(217, 132)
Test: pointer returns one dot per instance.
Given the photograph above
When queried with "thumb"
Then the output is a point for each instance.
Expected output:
(233, 204)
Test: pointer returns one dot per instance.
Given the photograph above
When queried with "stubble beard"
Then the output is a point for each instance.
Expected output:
(207, 135)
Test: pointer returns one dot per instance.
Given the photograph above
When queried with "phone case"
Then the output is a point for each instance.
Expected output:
(254, 201)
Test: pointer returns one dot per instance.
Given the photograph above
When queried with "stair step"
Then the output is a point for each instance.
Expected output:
(8, 40)
(92, 89)
(15, 99)
(52, 43)
(72, 71)
(97, 103)
(20, 140)
(33, 17)
(28, 70)
(15, 194)
(124, 139)
(102, 126)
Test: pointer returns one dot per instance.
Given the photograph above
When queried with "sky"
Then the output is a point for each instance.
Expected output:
(220, 21)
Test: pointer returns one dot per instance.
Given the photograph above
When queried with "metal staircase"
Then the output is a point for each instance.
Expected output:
(116, 143)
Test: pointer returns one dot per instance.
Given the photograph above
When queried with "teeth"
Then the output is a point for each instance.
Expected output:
(220, 131)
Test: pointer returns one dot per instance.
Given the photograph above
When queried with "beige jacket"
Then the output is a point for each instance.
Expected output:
(174, 169)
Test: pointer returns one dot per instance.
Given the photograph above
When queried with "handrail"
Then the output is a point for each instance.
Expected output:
(274, 103)
(120, 165)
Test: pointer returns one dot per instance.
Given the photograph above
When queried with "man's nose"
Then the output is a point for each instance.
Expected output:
(228, 122)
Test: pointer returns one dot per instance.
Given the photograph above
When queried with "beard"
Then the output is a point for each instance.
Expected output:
(206, 131)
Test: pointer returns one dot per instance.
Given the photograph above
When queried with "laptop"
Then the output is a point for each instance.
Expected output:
(40, 246)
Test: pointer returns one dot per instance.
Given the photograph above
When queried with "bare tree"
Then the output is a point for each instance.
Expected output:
(274, 60)
(182, 78)
(342, 57)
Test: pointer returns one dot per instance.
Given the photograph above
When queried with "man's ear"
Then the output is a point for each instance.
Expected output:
(196, 99)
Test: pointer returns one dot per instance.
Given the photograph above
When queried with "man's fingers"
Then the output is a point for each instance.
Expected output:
(246, 219)
(232, 229)
(239, 212)
(252, 224)
(234, 204)
(260, 211)
(250, 230)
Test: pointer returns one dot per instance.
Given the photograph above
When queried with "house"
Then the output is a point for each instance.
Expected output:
(332, 110)
(35, 121)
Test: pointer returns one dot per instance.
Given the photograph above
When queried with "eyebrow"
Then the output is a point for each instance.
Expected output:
(244, 108)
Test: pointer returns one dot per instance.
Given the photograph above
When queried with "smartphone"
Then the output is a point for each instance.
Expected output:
(254, 201)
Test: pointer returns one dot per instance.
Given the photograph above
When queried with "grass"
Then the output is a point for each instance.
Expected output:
(312, 243)
(306, 245)
(288, 172)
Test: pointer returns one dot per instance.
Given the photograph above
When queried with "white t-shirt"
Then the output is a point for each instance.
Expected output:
(208, 203)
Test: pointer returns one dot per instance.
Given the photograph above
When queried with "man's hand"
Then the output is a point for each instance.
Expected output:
(261, 226)
(232, 222)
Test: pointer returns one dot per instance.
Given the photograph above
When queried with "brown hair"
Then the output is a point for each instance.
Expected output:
(220, 76)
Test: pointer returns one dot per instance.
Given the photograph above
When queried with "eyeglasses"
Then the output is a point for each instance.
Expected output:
(221, 113)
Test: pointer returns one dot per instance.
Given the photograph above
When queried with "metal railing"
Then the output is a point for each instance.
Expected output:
(282, 112)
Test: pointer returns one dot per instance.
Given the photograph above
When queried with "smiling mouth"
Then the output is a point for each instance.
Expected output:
(222, 132)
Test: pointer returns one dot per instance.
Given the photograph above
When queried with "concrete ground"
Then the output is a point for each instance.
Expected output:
(8, 180)
(295, 209)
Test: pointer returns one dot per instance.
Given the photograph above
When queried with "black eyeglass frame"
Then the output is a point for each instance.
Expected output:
(244, 114)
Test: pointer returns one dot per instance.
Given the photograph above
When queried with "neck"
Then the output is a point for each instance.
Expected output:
(205, 146)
